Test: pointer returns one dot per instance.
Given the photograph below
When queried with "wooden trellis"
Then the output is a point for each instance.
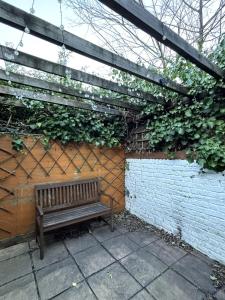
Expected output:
(19, 172)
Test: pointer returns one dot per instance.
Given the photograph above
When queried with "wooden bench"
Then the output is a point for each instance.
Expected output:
(62, 204)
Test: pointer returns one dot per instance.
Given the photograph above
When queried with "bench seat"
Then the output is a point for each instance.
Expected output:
(73, 215)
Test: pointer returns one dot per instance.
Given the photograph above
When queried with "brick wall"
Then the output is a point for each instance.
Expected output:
(173, 195)
(20, 171)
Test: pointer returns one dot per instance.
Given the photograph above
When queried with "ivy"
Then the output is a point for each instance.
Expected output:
(17, 143)
(196, 125)
(66, 125)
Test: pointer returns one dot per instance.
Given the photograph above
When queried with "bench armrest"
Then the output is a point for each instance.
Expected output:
(110, 197)
(39, 211)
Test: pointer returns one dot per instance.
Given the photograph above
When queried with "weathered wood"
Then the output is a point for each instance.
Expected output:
(34, 62)
(20, 93)
(19, 19)
(144, 20)
(55, 87)
(74, 202)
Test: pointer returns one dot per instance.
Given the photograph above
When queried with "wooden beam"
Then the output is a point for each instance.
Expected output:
(55, 87)
(7, 54)
(144, 20)
(19, 19)
(21, 93)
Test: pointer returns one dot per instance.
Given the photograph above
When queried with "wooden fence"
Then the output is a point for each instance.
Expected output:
(20, 171)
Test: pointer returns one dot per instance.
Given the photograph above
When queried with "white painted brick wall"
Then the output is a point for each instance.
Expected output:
(171, 194)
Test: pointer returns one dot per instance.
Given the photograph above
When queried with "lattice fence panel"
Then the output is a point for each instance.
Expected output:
(19, 172)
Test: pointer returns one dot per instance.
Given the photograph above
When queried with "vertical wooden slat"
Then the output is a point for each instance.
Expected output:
(53, 196)
(44, 198)
(49, 203)
(68, 194)
(71, 193)
(40, 202)
(79, 195)
(56, 196)
(60, 195)
(85, 192)
(75, 194)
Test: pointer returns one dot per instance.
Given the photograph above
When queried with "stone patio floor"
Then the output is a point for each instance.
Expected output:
(105, 265)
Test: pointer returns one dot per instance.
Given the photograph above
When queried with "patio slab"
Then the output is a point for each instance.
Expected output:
(142, 238)
(142, 295)
(80, 243)
(93, 259)
(113, 283)
(54, 251)
(14, 268)
(116, 265)
(20, 289)
(58, 277)
(144, 266)
(120, 246)
(220, 295)
(167, 254)
(104, 233)
(197, 271)
(80, 291)
(13, 251)
(171, 286)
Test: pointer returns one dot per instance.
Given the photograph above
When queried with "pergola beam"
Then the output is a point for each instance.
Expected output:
(55, 87)
(19, 19)
(144, 20)
(21, 93)
(27, 60)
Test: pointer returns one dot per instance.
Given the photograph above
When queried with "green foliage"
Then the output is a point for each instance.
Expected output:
(17, 143)
(66, 125)
(196, 125)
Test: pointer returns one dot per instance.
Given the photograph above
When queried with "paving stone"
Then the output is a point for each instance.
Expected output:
(21, 289)
(13, 251)
(121, 228)
(120, 246)
(93, 260)
(143, 266)
(142, 238)
(15, 267)
(113, 283)
(80, 292)
(168, 254)
(33, 245)
(57, 277)
(202, 256)
(220, 295)
(197, 271)
(104, 233)
(143, 295)
(54, 252)
(171, 286)
(80, 243)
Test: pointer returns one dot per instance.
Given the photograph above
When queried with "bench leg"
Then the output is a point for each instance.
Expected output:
(36, 231)
(41, 244)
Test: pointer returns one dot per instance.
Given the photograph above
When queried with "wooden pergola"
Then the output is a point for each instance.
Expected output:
(129, 9)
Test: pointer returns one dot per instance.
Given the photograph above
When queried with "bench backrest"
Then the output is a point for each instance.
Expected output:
(67, 194)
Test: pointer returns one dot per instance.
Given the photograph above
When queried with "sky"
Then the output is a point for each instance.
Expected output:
(49, 10)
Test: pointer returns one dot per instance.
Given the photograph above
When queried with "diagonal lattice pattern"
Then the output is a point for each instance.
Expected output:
(20, 171)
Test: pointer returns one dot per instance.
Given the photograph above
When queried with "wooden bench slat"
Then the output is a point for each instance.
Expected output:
(74, 214)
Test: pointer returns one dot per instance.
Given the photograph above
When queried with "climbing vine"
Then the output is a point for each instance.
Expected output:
(196, 124)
